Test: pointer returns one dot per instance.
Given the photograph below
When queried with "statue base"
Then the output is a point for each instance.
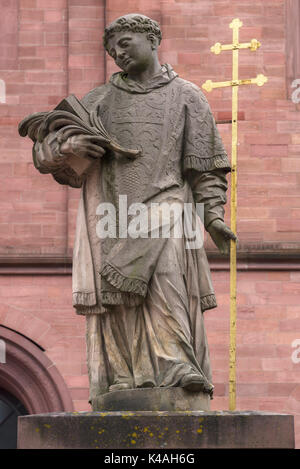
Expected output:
(152, 399)
(156, 430)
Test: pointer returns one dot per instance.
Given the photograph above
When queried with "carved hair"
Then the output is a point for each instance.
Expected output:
(135, 23)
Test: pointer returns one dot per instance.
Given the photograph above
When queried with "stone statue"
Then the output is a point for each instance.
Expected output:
(146, 138)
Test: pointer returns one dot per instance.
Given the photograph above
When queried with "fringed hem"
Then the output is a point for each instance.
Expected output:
(208, 302)
(206, 164)
(122, 283)
(88, 310)
(121, 298)
(84, 299)
(109, 299)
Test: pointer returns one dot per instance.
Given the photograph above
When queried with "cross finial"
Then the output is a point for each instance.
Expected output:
(236, 23)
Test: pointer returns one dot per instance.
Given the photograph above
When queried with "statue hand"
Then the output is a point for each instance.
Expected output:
(221, 235)
(84, 145)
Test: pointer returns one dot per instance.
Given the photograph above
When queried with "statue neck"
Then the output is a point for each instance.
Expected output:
(142, 76)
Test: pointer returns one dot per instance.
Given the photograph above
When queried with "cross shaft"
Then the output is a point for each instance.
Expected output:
(209, 85)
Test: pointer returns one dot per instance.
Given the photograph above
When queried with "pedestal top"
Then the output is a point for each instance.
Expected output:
(154, 429)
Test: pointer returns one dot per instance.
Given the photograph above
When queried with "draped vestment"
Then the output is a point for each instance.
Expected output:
(144, 297)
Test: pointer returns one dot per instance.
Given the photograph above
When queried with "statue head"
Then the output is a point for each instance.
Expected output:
(135, 23)
(132, 41)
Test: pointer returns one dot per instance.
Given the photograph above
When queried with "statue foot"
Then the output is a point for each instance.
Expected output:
(119, 386)
(147, 384)
(192, 382)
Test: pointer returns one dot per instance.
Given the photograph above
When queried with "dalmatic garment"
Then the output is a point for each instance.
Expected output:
(144, 297)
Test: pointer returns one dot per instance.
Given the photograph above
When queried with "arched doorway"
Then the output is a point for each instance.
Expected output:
(10, 409)
(29, 381)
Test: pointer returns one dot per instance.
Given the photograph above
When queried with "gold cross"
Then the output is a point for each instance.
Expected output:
(260, 80)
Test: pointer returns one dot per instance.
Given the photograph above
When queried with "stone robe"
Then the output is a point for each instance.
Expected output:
(144, 297)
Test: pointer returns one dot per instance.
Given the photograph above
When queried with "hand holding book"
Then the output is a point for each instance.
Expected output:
(80, 133)
(83, 146)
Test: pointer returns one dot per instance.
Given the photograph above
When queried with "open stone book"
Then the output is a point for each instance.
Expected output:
(70, 118)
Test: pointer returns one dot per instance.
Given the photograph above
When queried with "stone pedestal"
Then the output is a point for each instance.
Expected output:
(171, 399)
(156, 430)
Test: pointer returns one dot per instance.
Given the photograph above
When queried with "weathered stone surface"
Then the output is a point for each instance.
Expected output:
(155, 399)
(153, 286)
(123, 430)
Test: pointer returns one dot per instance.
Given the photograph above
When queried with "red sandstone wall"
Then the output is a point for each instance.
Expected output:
(57, 50)
(51, 48)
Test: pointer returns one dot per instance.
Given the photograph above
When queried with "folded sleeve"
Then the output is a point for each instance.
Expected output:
(203, 146)
(210, 189)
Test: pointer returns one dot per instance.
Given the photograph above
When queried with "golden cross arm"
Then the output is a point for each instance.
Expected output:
(253, 45)
(260, 80)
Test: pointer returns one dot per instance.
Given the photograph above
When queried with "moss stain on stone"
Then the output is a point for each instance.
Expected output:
(127, 415)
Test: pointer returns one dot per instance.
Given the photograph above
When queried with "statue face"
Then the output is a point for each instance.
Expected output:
(132, 52)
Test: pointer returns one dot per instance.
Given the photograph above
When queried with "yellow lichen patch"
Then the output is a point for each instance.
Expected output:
(133, 442)
(199, 430)
(134, 434)
(92, 428)
(201, 419)
(101, 431)
(47, 425)
(151, 434)
(177, 431)
(146, 429)
(128, 415)
(37, 429)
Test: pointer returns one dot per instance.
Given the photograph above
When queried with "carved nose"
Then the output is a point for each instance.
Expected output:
(120, 54)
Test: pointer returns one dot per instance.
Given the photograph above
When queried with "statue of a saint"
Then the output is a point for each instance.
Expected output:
(143, 295)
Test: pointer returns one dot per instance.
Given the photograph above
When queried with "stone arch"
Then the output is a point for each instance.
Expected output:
(31, 377)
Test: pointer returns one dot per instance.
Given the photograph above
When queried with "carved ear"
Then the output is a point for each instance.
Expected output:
(153, 39)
